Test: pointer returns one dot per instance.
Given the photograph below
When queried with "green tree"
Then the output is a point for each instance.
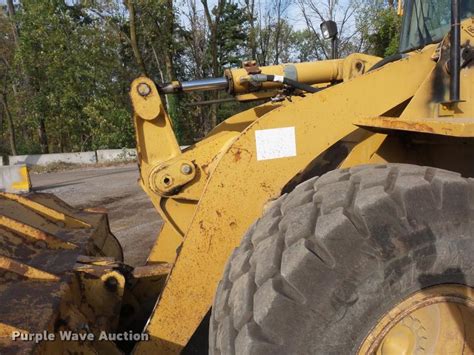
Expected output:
(7, 48)
(385, 32)
(232, 40)
(75, 93)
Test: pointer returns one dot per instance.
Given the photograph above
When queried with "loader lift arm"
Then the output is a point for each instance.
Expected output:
(203, 193)
(403, 111)
(204, 210)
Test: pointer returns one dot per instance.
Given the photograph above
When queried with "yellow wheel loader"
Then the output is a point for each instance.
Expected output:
(335, 218)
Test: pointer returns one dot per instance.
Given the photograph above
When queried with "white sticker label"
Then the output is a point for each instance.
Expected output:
(278, 78)
(275, 143)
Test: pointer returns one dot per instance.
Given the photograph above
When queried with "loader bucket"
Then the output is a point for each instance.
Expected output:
(56, 264)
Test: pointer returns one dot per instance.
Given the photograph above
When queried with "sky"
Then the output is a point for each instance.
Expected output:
(294, 16)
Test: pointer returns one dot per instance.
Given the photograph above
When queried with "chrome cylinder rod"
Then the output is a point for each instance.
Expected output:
(194, 85)
(205, 84)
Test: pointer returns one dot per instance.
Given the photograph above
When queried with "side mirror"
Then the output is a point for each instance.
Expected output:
(329, 29)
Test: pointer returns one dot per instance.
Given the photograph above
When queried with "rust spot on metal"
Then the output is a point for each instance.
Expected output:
(34, 233)
(265, 187)
(46, 211)
(237, 155)
(411, 126)
(161, 269)
(96, 210)
(102, 261)
(398, 124)
(25, 270)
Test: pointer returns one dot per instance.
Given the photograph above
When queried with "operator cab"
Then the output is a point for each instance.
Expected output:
(428, 21)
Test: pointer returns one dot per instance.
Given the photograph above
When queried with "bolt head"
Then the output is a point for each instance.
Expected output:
(186, 169)
(143, 89)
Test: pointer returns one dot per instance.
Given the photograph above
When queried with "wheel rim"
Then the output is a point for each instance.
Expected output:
(436, 320)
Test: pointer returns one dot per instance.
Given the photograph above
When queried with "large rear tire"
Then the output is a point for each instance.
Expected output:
(324, 265)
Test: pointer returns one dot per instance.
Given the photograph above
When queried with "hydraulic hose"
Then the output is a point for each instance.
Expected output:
(281, 79)
(389, 59)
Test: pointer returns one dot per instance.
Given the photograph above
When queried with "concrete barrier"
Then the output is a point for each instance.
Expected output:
(99, 156)
(14, 178)
(110, 155)
(45, 159)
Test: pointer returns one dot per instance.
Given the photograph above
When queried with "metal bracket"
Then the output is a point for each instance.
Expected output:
(251, 67)
(167, 179)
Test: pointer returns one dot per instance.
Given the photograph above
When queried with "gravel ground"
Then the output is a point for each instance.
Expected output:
(132, 217)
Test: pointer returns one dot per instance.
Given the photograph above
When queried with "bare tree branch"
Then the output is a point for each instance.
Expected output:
(133, 37)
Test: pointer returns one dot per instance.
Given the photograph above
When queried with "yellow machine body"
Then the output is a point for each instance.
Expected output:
(210, 193)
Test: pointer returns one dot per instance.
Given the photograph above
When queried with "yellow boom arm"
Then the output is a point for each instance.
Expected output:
(210, 193)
